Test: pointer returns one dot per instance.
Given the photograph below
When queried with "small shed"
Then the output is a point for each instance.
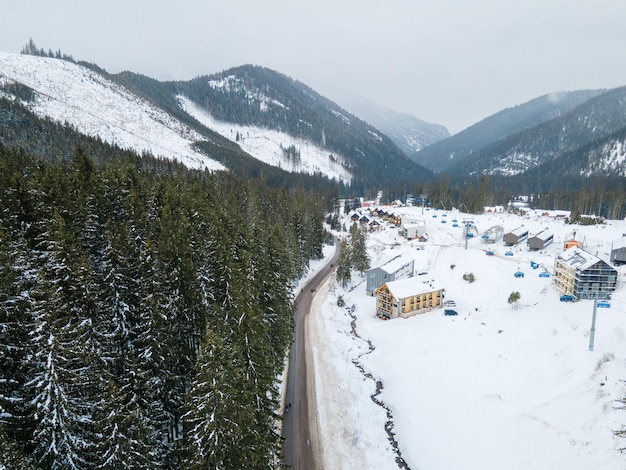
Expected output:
(540, 240)
(572, 243)
(515, 236)
(618, 251)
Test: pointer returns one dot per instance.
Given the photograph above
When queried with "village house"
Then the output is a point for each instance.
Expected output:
(412, 230)
(394, 269)
(374, 225)
(407, 297)
(583, 275)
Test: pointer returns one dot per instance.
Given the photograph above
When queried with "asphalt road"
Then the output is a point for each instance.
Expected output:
(301, 446)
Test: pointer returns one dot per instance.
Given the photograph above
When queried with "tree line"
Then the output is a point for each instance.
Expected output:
(144, 317)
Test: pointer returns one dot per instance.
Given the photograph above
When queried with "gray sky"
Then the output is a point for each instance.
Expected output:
(452, 62)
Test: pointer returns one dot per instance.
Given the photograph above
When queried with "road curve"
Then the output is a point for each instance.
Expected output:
(300, 448)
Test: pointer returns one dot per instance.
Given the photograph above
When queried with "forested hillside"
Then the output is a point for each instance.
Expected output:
(259, 96)
(454, 150)
(145, 312)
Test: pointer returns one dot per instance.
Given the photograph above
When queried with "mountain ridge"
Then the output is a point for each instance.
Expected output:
(140, 113)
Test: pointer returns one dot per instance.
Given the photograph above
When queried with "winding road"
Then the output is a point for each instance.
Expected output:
(301, 446)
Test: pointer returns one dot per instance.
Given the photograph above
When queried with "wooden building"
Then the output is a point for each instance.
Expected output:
(540, 240)
(407, 297)
(515, 236)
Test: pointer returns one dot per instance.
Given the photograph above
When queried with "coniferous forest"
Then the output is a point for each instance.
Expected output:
(145, 312)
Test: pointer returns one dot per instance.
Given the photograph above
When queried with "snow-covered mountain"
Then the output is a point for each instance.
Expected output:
(305, 129)
(586, 141)
(272, 147)
(448, 154)
(254, 113)
(70, 93)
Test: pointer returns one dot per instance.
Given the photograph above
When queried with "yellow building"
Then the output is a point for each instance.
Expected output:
(407, 297)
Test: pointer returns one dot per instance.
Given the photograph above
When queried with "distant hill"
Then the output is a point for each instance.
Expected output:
(408, 132)
(588, 140)
(255, 97)
(451, 152)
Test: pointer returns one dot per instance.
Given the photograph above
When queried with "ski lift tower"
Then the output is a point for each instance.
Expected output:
(422, 199)
(469, 230)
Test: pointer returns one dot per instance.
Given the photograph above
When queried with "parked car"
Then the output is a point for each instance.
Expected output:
(450, 311)
(450, 303)
(566, 298)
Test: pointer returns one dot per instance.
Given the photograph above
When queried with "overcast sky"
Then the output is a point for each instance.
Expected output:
(451, 62)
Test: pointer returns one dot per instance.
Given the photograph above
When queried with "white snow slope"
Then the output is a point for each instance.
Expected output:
(265, 145)
(494, 387)
(70, 93)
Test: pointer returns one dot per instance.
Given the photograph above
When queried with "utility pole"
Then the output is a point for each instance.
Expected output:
(592, 333)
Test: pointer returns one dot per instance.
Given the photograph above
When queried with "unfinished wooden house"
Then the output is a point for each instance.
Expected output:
(407, 297)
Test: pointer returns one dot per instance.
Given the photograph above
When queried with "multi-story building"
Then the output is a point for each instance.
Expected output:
(583, 275)
(407, 297)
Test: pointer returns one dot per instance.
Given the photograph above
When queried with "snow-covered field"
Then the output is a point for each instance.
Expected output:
(495, 387)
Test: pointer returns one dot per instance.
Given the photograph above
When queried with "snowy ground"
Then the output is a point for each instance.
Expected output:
(496, 387)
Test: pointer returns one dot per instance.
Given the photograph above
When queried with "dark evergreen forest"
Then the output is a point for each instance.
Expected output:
(145, 312)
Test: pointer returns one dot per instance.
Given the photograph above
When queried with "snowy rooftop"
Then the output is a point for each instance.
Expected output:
(543, 235)
(519, 231)
(411, 286)
(395, 264)
(578, 258)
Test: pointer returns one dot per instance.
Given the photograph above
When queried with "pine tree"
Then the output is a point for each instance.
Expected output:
(344, 264)
(64, 382)
(359, 258)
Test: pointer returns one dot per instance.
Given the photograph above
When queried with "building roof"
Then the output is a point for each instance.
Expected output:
(414, 225)
(543, 235)
(394, 264)
(411, 286)
(577, 258)
(519, 231)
